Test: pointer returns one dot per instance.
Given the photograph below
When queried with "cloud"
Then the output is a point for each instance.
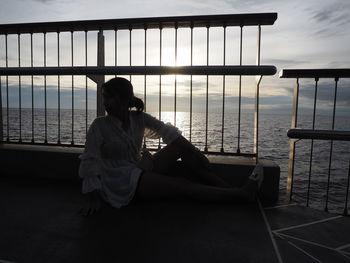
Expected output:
(332, 18)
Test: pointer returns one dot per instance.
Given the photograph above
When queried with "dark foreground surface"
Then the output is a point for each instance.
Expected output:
(39, 222)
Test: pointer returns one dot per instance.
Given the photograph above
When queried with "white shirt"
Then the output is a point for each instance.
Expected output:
(109, 162)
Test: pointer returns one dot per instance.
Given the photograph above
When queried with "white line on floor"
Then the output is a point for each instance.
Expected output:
(305, 241)
(303, 251)
(279, 206)
(307, 224)
(278, 254)
(343, 247)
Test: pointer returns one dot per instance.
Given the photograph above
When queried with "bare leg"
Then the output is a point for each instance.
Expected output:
(167, 156)
(157, 186)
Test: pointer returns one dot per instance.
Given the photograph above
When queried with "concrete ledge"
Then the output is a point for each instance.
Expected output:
(62, 163)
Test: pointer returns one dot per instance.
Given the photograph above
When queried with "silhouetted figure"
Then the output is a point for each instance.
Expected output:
(113, 168)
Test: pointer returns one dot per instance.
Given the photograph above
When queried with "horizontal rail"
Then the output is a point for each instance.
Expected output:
(140, 70)
(319, 134)
(68, 145)
(142, 23)
(315, 73)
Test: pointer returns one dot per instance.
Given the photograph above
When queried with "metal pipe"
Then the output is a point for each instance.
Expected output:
(175, 84)
(7, 91)
(32, 83)
(312, 144)
(1, 121)
(19, 88)
(331, 149)
(240, 92)
(345, 213)
(72, 53)
(160, 79)
(223, 96)
(86, 85)
(115, 48)
(207, 99)
(130, 50)
(145, 82)
(292, 143)
(191, 85)
(45, 91)
(250, 70)
(257, 99)
(58, 92)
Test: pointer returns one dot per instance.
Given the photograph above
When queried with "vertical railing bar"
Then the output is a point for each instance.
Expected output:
(257, 99)
(291, 161)
(223, 96)
(312, 143)
(1, 120)
(7, 91)
(115, 48)
(160, 78)
(130, 53)
(345, 213)
(72, 53)
(86, 85)
(240, 91)
(58, 91)
(331, 149)
(45, 89)
(32, 82)
(207, 97)
(191, 84)
(19, 88)
(175, 84)
(145, 82)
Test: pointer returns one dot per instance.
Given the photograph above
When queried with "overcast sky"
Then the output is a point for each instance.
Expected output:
(307, 33)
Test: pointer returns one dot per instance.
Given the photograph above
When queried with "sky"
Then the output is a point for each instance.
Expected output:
(306, 34)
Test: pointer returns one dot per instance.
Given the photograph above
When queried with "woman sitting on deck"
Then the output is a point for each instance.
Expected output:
(113, 168)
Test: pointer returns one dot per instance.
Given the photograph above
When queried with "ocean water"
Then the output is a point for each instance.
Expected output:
(273, 143)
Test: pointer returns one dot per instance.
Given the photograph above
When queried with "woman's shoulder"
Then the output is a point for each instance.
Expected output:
(98, 121)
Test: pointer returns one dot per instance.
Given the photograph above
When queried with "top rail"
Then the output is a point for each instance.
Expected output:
(142, 23)
(141, 70)
(315, 73)
(319, 134)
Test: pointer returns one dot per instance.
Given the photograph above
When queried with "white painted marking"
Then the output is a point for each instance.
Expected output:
(278, 254)
(308, 224)
(343, 247)
(279, 206)
(306, 241)
(303, 251)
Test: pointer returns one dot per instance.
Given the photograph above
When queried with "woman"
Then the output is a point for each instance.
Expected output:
(113, 169)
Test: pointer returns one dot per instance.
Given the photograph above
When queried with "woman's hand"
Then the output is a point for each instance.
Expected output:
(91, 203)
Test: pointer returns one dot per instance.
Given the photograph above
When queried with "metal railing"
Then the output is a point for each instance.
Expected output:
(97, 72)
(295, 134)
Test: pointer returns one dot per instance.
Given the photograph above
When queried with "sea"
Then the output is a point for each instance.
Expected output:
(273, 143)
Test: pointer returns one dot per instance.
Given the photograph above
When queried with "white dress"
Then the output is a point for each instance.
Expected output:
(110, 161)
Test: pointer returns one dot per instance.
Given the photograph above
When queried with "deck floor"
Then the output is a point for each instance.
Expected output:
(40, 222)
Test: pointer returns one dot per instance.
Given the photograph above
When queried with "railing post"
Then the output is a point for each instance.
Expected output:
(257, 96)
(100, 79)
(256, 120)
(292, 143)
(1, 122)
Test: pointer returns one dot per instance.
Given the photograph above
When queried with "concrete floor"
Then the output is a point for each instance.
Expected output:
(40, 222)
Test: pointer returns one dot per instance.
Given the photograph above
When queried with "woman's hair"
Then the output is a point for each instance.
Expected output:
(124, 90)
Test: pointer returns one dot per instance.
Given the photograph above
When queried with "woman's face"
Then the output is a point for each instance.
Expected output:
(114, 105)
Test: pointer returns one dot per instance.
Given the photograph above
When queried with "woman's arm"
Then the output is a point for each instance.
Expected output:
(91, 203)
